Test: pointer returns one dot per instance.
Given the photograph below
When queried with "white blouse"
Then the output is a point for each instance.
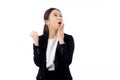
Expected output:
(50, 54)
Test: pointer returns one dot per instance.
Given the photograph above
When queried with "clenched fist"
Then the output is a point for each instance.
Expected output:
(35, 37)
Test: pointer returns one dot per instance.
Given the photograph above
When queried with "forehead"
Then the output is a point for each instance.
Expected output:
(55, 12)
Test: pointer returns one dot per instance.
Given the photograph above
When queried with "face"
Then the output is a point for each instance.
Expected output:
(55, 19)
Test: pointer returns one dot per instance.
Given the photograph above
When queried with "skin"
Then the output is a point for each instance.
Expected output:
(55, 25)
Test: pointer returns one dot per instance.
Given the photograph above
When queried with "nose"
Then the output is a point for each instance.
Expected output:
(59, 18)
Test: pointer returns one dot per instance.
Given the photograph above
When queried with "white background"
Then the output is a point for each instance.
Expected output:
(94, 24)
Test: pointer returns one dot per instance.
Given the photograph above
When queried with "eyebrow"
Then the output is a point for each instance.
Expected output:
(54, 13)
(57, 13)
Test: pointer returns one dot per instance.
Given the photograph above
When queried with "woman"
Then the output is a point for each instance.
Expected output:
(53, 50)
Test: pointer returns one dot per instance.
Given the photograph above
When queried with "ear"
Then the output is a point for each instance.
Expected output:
(47, 22)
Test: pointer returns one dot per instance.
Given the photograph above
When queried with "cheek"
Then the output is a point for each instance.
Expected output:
(53, 22)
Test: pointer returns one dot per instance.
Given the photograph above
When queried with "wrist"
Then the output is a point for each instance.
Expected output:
(36, 44)
(61, 41)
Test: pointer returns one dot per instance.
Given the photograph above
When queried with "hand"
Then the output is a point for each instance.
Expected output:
(35, 38)
(61, 34)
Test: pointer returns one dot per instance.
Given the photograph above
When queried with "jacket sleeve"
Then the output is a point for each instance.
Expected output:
(36, 51)
(66, 51)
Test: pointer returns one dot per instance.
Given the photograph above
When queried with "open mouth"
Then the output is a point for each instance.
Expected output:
(59, 22)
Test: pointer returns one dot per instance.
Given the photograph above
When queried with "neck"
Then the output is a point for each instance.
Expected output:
(52, 33)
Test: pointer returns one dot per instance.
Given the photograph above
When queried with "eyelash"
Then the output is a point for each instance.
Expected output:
(56, 15)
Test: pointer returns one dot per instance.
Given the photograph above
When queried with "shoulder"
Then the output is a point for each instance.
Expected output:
(41, 36)
(69, 40)
(67, 36)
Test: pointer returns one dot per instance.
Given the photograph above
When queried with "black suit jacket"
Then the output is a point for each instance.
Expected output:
(63, 58)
